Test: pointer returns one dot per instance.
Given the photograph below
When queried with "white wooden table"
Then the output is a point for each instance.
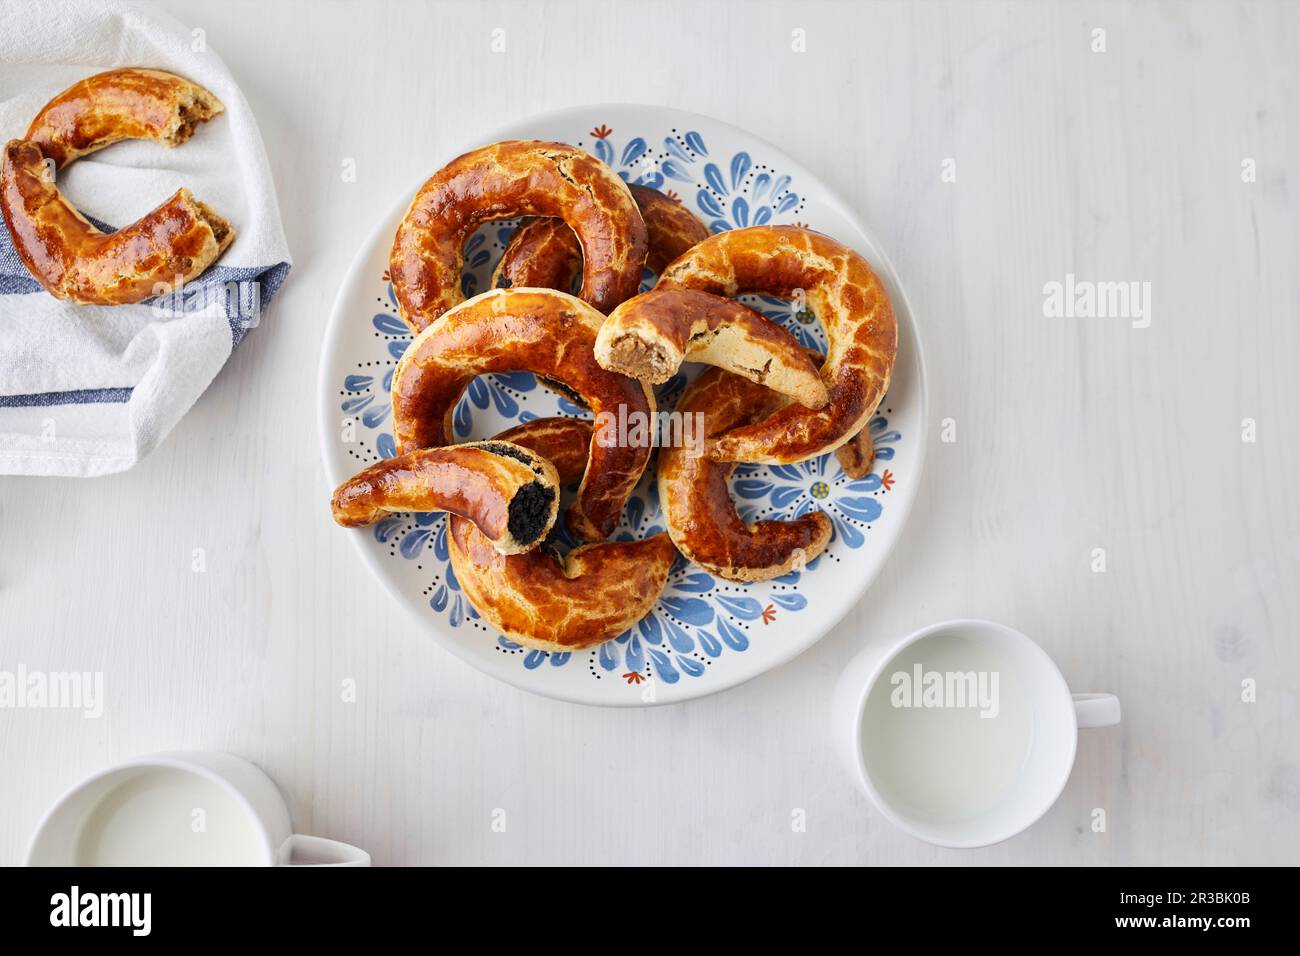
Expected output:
(1072, 434)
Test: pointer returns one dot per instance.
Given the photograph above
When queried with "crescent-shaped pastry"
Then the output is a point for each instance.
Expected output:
(509, 493)
(121, 104)
(516, 178)
(697, 506)
(840, 288)
(71, 258)
(650, 335)
(544, 253)
(551, 334)
(553, 603)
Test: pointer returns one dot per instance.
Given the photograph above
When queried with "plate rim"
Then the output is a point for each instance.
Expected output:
(515, 677)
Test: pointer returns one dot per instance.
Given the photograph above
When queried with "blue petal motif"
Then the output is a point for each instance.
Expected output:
(559, 660)
(397, 347)
(605, 152)
(385, 445)
(439, 600)
(690, 666)
(519, 381)
(733, 635)
(696, 583)
(753, 488)
(761, 182)
(708, 203)
(696, 143)
(478, 392)
(867, 484)
(356, 404)
(674, 171)
(663, 667)
(713, 176)
(390, 324)
(790, 201)
(740, 211)
(387, 528)
(709, 644)
(740, 164)
(678, 638)
(745, 608)
(633, 655)
(413, 542)
(374, 417)
(851, 535)
(675, 148)
(464, 418)
(533, 659)
(440, 543)
(791, 602)
(358, 383)
(506, 405)
(782, 497)
(693, 611)
(650, 629)
(606, 656)
(863, 509)
(632, 152)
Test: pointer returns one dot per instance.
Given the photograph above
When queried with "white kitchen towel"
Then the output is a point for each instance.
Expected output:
(90, 390)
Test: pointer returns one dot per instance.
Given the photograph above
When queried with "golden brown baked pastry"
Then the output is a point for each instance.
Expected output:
(70, 257)
(650, 335)
(516, 178)
(546, 332)
(509, 493)
(553, 603)
(857, 455)
(840, 288)
(697, 506)
(544, 253)
(120, 104)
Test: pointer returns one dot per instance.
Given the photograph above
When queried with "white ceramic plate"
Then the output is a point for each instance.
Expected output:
(705, 634)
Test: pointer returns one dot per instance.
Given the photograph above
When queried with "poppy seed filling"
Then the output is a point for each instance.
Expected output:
(530, 512)
(508, 451)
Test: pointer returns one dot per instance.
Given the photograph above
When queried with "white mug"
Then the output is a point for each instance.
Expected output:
(175, 809)
(962, 734)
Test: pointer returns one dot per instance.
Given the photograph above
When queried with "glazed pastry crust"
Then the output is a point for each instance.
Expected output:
(697, 505)
(507, 179)
(841, 289)
(650, 335)
(544, 253)
(552, 603)
(75, 261)
(70, 257)
(120, 104)
(543, 331)
(510, 494)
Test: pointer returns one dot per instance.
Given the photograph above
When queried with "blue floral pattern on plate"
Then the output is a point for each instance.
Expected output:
(699, 618)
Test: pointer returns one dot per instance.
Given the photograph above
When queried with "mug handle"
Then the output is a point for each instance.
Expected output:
(321, 852)
(1096, 710)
